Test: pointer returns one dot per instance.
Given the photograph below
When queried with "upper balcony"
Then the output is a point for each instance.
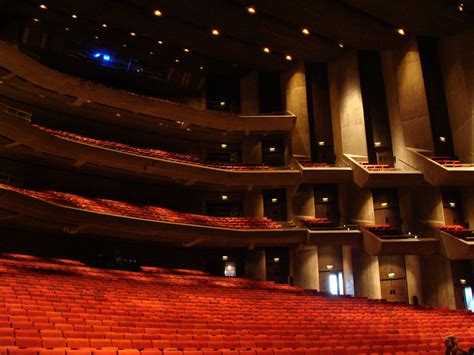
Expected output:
(314, 173)
(73, 214)
(72, 149)
(323, 231)
(457, 243)
(441, 171)
(24, 79)
(381, 176)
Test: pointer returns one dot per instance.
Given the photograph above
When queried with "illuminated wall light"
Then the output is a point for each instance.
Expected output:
(215, 32)
(222, 103)
(104, 25)
(160, 42)
(43, 6)
(66, 29)
(97, 55)
(118, 114)
(288, 57)
(325, 199)
(341, 45)
(188, 129)
(330, 267)
(157, 13)
(462, 281)
(124, 45)
(36, 20)
(442, 139)
(133, 34)
(266, 50)
(377, 144)
(106, 57)
(305, 31)
(321, 143)
(251, 10)
(391, 275)
(201, 67)
(225, 257)
(151, 53)
(176, 60)
(384, 204)
(401, 31)
(461, 7)
(74, 16)
(224, 197)
(277, 260)
(96, 37)
(272, 149)
(452, 204)
(223, 146)
(274, 200)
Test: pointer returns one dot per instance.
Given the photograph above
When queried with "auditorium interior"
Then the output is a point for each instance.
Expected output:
(226, 177)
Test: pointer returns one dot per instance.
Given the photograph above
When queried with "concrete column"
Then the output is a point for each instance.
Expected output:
(305, 267)
(303, 201)
(252, 150)
(253, 203)
(250, 94)
(346, 106)
(428, 205)
(437, 284)
(366, 275)
(347, 271)
(413, 276)
(356, 205)
(468, 206)
(255, 265)
(294, 86)
(406, 99)
(457, 64)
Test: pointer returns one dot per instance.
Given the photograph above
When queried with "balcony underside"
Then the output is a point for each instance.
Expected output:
(338, 237)
(333, 175)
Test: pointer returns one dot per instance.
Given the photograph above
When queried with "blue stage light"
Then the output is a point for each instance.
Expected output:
(97, 55)
(106, 57)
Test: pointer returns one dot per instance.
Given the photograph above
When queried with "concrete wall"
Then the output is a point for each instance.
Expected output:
(255, 265)
(303, 201)
(413, 276)
(252, 150)
(346, 106)
(304, 267)
(294, 86)
(457, 63)
(250, 94)
(253, 203)
(366, 275)
(406, 99)
(438, 288)
(347, 270)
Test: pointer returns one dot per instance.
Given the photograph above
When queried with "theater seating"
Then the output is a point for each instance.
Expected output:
(376, 167)
(56, 308)
(318, 223)
(458, 231)
(449, 162)
(99, 205)
(310, 164)
(152, 153)
(386, 231)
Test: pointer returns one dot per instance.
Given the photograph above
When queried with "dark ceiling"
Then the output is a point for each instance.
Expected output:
(277, 24)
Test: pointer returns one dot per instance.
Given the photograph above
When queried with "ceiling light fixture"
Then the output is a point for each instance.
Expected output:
(151, 53)
(341, 45)
(461, 7)
(274, 200)
(401, 31)
(251, 10)
(277, 260)
(288, 58)
(176, 60)
(160, 42)
(104, 25)
(202, 68)
(266, 50)
(96, 37)
(305, 31)
(225, 257)
(44, 7)
(186, 50)
(36, 20)
(157, 13)
(66, 29)
(74, 16)
(223, 146)
(215, 32)
(133, 34)
(224, 197)
(124, 45)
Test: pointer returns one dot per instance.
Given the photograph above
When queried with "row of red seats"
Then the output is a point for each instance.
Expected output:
(145, 212)
(148, 152)
(386, 231)
(310, 164)
(376, 167)
(449, 162)
(318, 223)
(458, 231)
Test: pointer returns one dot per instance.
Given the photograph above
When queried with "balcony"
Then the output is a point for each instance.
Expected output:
(441, 171)
(457, 243)
(322, 231)
(319, 173)
(379, 175)
(386, 241)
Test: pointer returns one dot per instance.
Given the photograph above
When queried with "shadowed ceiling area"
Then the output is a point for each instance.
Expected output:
(182, 34)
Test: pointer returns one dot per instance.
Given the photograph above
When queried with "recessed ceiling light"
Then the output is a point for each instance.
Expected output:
(341, 45)
(133, 34)
(176, 60)
(215, 32)
(186, 50)
(160, 42)
(74, 16)
(151, 53)
(66, 29)
(201, 67)
(401, 31)
(104, 25)
(157, 13)
(96, 37)
(36, 20)
(266, 50)
(288, 58)
(124, 45)
(305, 31)
(251, 10)
(43, 6)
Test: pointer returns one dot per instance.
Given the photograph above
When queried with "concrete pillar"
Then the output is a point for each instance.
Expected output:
(250, 94)
(253, 203)
(305, 269)
(413, 276)
(346, 106)
(294, 86)
(252, 150)
(468, 206)
(366, 275)
(457, 64)
(255, 265)
(406, 99)
(438, 287)
(428, 206)
(303, 201)
(347, 271)
(355, 205)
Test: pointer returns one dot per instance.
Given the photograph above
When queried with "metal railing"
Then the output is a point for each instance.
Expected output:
(18, 113)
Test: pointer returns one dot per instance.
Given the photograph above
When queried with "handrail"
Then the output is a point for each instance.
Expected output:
(18, 113)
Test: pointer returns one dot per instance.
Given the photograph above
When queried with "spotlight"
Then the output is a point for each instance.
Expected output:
(305, 31)
(158, 13)
(251, 10)
(401, 31)
(43, 6)
(288, 58)
(266, 50)
(215, 32)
